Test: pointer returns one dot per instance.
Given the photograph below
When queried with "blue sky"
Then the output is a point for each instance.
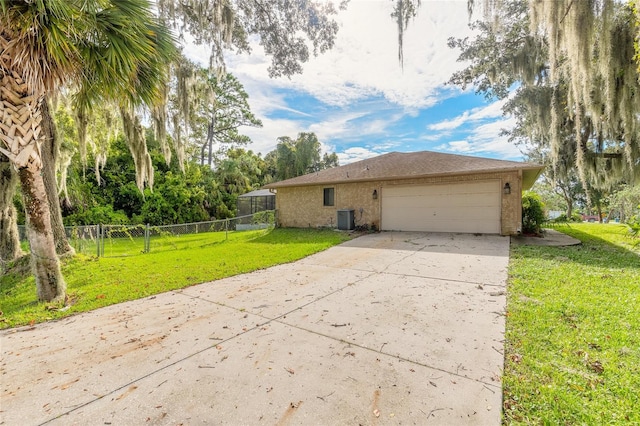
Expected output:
(360, 102)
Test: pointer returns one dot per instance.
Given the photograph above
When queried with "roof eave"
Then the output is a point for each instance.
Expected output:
(530, 176)
(537, 169)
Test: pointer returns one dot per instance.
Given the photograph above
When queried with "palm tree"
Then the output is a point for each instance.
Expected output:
(110, 49)
(9, 241)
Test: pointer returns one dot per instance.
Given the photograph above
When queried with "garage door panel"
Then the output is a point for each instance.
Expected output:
(450, 189)
(440, 200)
(476, 200)
(446, 215)
(454, 205)
(461, 207)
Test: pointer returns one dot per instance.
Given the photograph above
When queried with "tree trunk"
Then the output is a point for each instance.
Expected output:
(569, 201)
(44, 259)
(210, 140)
(208, 143)
(49, 155)
(204, 146)
(599, 210)
(9, 238)
(21, 128)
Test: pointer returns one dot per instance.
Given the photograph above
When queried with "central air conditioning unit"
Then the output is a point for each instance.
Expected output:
(346, 220)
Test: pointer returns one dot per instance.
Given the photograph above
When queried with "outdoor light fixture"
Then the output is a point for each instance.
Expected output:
(375, 194)
(507, 188)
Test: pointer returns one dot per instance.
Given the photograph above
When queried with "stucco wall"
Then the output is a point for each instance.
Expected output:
(300, 207)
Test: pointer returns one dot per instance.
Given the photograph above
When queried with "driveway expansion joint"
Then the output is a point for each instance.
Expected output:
(387, 354)
(278, 319)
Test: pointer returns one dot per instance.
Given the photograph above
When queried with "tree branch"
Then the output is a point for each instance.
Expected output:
(566, 12)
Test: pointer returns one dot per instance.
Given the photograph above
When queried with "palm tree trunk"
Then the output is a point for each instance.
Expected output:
(44, 260)
(21, 128)
(9, 239)
(50, 151)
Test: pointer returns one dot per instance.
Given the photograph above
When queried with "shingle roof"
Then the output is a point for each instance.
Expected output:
(405, 165)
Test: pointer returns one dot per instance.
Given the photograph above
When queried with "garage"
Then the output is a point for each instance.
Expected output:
(411, 191)
(454, 207)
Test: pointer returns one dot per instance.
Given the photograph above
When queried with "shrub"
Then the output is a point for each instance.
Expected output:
(532, 213)
(266, 216)
(575, 217)
(97, 215)
(634, 224)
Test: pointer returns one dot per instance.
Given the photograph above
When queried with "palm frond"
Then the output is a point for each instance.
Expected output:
(113, 49)
(36, 42)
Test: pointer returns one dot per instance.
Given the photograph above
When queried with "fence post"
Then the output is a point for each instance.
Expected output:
(147, 244)
(226, 229)
(98, 240)
(102, 232)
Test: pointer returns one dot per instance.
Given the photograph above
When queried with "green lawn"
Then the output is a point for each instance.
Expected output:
(573, 330)
(129, 240)
(95, 282)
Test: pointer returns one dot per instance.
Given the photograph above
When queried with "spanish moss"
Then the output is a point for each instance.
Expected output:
(134, 134)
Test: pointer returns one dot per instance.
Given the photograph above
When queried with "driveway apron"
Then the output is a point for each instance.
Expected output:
(388, 328)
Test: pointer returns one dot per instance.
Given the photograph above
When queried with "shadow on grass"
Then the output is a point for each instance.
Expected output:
(299, 236)
(594, 251)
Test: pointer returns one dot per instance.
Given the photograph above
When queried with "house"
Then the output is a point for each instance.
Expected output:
(417, 191)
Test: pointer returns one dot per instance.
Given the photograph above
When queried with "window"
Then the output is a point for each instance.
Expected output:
(328, 196)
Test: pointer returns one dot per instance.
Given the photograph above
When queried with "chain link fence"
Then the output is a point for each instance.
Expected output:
(130, 240)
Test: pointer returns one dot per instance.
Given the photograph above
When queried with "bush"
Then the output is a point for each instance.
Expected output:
(634, 224)
(575, 217)
(267, 216)
(97, 215)
(532, 213)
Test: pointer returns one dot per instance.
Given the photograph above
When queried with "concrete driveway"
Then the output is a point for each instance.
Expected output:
(389, 328)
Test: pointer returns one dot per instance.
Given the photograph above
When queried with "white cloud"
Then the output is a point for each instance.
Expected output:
(364, 60)
(451, 124)
(491, 111)
(345, 125)
(384, 147)
(458, 146)
(485, 139)
(362, 91)
(488, 137)
(330, 127)
(264, 139)
(334, 125)
(351, 155)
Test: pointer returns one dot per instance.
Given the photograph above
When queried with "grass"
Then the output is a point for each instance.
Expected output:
(573, 330)
(129, 241)
(96, 282)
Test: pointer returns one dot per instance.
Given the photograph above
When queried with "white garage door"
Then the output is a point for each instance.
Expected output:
(461, 207)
